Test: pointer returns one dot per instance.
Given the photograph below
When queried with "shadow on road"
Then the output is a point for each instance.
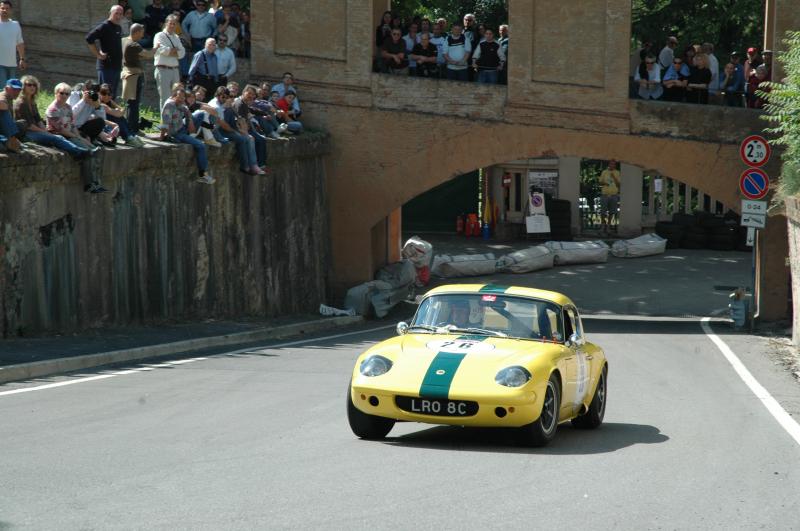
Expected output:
(610, 437)
(643, 325)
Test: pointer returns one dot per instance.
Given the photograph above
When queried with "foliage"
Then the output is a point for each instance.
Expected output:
(783, 110)
(489, 12)
(730, 25)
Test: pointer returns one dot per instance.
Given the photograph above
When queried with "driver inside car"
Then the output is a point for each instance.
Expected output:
(459, 314)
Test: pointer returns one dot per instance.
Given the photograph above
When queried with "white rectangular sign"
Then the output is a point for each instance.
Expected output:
(537, 224)
(658, 185)
(754, 207)
(751, 236)
(754, 220)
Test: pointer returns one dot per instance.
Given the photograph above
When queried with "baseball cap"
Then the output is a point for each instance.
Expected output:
(751, 50)
(14, 83)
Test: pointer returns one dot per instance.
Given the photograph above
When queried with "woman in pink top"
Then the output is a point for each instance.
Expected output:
(60, 120)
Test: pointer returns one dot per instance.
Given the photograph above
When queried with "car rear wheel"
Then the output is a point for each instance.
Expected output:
(597, 409)
(364, 425)
(543, 430)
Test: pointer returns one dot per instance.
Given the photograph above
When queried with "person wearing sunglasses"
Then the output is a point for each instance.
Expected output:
(393, 54)
(675, 80)
(25, 109)
(648, 79)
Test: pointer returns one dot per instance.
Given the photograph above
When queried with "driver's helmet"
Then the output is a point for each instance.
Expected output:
(459, 313)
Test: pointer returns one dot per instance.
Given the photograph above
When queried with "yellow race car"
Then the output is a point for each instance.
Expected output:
(483, 355)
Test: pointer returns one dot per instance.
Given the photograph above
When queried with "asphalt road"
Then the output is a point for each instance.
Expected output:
(260, 441)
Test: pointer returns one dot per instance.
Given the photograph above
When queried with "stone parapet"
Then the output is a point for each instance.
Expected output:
(159, 245)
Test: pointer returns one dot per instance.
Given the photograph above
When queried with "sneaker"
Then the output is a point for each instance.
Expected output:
(255, 170)
(134, 141)
(96, 188)
(14, 145)
(206, 178)
(212, 142)
(283, 128)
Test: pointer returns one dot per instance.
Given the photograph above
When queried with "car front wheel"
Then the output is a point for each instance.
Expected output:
(543, 430)
(364, 425)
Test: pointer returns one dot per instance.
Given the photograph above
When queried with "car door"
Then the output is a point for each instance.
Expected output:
(570, 369)
(581, 358)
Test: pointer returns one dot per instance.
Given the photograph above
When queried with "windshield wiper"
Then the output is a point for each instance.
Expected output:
(479, 331)
(429, 328)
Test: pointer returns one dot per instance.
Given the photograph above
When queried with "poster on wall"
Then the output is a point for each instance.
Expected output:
(545, 181)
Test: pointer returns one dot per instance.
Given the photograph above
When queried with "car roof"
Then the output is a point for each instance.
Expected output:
(552, 296)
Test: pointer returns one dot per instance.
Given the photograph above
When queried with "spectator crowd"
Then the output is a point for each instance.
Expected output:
(463, 51)
(696, 75)
(193, 47)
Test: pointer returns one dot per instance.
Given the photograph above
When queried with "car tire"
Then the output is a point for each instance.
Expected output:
(366, 426)
(541, 431)
(597, 408)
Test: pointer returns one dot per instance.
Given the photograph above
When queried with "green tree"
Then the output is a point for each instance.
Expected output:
(489, 12)
(783, 110)
(730, 25)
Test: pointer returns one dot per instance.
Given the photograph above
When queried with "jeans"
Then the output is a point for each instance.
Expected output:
(124, 127)
(487, 76)
(184, 137)
(6, 73)
(458, 75)
(132, 112)
(245, 149)
(110, 76)
(56, 141)
(8, 127)
(268, 124)
(261, 147)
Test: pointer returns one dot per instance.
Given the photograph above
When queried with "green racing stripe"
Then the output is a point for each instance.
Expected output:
(446, 363)
(493, 288)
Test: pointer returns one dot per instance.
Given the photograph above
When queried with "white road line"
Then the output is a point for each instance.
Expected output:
(181, 362)
(776, 410)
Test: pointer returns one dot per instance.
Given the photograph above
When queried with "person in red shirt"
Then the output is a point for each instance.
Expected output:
(285, 113)
(285, 104)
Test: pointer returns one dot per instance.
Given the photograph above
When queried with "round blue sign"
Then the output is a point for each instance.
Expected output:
(754, 183)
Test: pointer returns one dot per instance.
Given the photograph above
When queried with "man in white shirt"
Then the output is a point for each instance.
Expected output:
(667, 53)
(11, 44)
(168, 51)
(438, 39)
(713, 65)
(226, 60)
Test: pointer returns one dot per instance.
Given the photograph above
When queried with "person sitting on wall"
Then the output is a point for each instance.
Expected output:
(245, 144)
(204, 117)
(9, 133)
(241, 106)
(288, 117)
(177, 123)
(90, 118)
(282, 87)
(25, 109)
(675, 80)
(116, 114)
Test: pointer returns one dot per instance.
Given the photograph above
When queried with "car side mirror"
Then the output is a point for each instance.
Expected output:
(402, 328)
(575, 340)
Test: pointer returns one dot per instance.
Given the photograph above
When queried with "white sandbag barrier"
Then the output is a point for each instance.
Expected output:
(644, 245)
(567, 253)
(418, 251)
(463, 265)
(526, 260)
(393, 284)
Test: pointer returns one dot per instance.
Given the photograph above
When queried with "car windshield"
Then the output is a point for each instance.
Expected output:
(490, 314)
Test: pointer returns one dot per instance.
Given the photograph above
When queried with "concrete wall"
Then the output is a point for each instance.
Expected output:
(159, 245)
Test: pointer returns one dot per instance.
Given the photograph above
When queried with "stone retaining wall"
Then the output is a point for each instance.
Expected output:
(160, 245)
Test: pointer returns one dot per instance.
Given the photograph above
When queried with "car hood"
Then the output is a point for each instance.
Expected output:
(444, 363)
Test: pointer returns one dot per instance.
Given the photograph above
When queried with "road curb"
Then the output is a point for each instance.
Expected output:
(26, 371)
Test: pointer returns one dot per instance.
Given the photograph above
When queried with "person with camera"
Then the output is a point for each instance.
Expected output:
(115, 114)
(177, 123)
(203, 70)
(90, 118)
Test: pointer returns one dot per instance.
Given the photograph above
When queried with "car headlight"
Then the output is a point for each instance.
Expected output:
(515, 376)
(375, 366)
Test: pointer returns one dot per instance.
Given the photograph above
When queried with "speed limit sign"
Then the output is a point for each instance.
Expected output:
(755, 151)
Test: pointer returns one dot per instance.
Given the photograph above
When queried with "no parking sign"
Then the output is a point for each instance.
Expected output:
(754, 183)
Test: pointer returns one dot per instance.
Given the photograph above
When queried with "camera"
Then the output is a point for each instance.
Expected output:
(93, 91)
